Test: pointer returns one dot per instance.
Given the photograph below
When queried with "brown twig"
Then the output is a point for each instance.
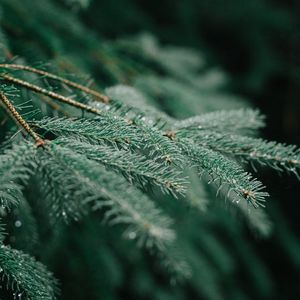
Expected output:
(99, 96)
(19, 120)
(50, 94)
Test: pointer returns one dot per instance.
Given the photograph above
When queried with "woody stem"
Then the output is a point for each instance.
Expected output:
(50, 94)
(19, 119)
(99, 96)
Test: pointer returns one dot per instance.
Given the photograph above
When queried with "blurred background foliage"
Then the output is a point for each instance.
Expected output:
(256, 44)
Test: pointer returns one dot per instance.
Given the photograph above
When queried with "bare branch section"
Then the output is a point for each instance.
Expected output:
(19, 120)
(98, 95)
(50, 94)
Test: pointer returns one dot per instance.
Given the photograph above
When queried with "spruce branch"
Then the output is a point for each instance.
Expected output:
(226, 174)
(104, 129)
(257, 219)
(241, 120)
(16, 166)
(160, 146)
(113, 129)
(137, 168)
(97, 95)
(278, 156)
(19, 119)
(131, 98)
(63, 192)
(26, 277)
(103, 189)
(105, 164)
(174, 260)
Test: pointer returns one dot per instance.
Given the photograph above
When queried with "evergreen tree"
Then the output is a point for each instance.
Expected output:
(152, 145)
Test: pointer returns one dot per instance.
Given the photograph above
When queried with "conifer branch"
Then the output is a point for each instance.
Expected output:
(99, 96)
(63, 191)
(110, 128)
(160, 146)
(275, 155)
(257, 219)
(16, 167)
(26, 277)
(242, 120)
(106, 164)
(135, 167)
(131, 98)
(89, 184)
(105, 129)
(230, 178)
(19, 119)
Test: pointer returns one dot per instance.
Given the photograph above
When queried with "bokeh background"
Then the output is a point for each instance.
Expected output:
(257, 43)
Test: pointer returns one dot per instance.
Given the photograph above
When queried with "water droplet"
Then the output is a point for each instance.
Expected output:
(18, 223)
(132, 235)
(64, 214)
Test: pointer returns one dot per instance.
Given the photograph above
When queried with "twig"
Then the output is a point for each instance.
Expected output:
(99, 96)
(50, 94)
(19, 120)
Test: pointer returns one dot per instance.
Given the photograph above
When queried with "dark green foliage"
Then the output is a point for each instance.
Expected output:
(245, 120)
(27, 277)
(275, 155)
(227, 175)
(21, 273)
(16, 166)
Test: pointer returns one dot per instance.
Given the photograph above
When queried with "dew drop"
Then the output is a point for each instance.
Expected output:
(18, 223)
(132, 235)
